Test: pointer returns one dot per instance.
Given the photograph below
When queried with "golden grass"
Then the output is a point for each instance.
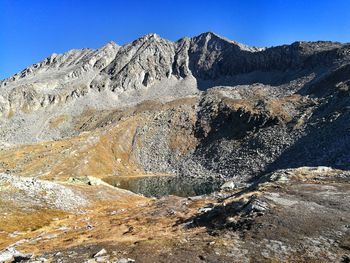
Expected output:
(137, 219)
(98, 154)
(21, 221)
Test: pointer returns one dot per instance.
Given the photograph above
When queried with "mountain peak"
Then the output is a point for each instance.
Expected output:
(112, 44)
(149, 36)
(213, 36)
(209, 35)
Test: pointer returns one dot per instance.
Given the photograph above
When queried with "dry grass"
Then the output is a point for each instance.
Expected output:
(98, 154)
(274, 107)
(247, 105)
(10, 114)
(127, 220)
(21, 221)
(56, 122)
(25, 222)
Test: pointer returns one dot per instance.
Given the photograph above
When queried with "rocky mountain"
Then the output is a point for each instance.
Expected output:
(151, 61)
(241, 126)
(265, 99)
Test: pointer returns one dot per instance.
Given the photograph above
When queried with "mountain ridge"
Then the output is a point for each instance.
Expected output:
(229, 81)
(133, 67)
(205, 34)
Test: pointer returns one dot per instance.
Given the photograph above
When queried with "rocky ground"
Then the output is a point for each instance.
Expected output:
(288, 215)
(200, 150)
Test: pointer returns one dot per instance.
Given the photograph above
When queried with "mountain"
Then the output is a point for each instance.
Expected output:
(238, 93)
(152, 61)
(260, 134)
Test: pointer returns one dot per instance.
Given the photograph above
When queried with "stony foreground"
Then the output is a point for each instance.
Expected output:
(290, 215)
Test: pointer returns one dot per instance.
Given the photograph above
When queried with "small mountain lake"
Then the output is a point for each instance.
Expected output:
(162, 185)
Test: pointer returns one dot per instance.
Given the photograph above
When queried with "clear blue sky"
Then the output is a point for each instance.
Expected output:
(30, 30)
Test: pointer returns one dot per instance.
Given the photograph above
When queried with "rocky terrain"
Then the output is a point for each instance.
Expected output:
(199, 150)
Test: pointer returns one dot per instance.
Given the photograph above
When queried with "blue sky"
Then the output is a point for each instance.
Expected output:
(31, 30)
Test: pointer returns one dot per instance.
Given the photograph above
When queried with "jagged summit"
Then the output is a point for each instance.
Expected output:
(209, 35)
(212, 35)
(148, 38)
(202, 40)
(215, 37)
(112, 43)
(150, 35)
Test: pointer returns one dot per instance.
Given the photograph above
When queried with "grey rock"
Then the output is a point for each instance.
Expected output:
(11, 254)
(102, 252)
(228, 186)
(124, 260)
(41, 192)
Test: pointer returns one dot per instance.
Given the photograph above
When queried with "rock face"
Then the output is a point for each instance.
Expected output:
(140, 64)
(150, 61)
(209, 106)
(57, 79)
